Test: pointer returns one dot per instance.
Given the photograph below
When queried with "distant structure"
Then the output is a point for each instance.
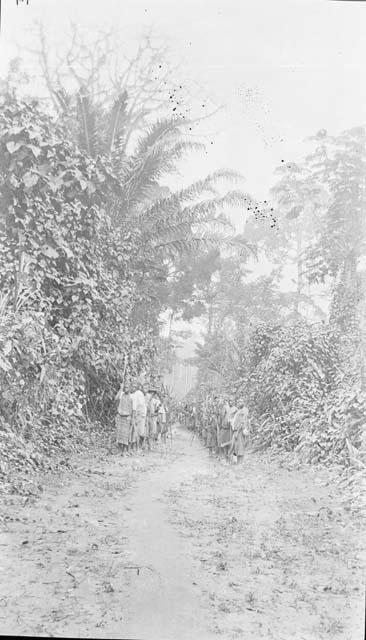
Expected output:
(181, 379)
(183, 374)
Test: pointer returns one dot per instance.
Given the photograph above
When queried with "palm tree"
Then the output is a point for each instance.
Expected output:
(169, 223)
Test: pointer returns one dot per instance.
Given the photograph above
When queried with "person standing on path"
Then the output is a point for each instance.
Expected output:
(202, 426)
(139, 411)
(226, 435)
(124, 419)
(224, 430)
(152, 414)
(211, 439)
(221, 407)
(221, 413)
(194, 418)
(134, 437)
(241, 429)
(187, 416)
(162, 421)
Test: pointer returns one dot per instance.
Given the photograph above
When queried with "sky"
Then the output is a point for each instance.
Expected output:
(281, 69)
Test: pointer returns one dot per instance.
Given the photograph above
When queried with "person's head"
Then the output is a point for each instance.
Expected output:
(240, 403)
(144, 388)
(126, 387)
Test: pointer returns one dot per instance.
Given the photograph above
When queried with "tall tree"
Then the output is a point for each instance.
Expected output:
(339, 163)
(283, 236)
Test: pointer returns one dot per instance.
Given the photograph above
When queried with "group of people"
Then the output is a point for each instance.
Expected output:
(222, 423)
(141, 418)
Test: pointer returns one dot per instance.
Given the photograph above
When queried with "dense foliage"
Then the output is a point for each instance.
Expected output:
(298, 398)
(66, 288)
(88, 243)
(300, 368)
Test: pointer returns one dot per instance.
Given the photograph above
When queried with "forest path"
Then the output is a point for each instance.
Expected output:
(174, 545)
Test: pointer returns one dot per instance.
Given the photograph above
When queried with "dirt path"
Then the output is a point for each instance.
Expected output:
(174, 545)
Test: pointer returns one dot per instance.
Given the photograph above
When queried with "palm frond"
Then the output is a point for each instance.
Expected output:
(87, 123)
(144, 172)
(193, 241)
(117, 123)
(215, 205)
(168, 206)
(158, 132)
(177, 229)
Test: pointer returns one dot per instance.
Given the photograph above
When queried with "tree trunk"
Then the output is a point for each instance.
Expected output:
(210, 318)
(361, 312)
(346, 295)
(299, 269)
(170, 322)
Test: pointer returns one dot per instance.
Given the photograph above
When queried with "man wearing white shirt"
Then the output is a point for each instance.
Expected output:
(139, 411)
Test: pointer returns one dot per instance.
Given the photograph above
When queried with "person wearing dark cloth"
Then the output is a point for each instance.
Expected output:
(226, 431)
(124, 419)
(240, 428)
(152, 414)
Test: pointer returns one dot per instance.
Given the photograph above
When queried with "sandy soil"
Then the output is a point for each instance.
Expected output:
(175, 545)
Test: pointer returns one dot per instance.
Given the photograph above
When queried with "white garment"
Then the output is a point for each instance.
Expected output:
(230, 414)
(240, 420)
(139, 403)
(154, 406)
(162, 413)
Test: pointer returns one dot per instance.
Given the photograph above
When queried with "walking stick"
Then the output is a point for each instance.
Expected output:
(133, 432)
(192, 438)
(171, 433)
(232, 444)
(124, 370)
